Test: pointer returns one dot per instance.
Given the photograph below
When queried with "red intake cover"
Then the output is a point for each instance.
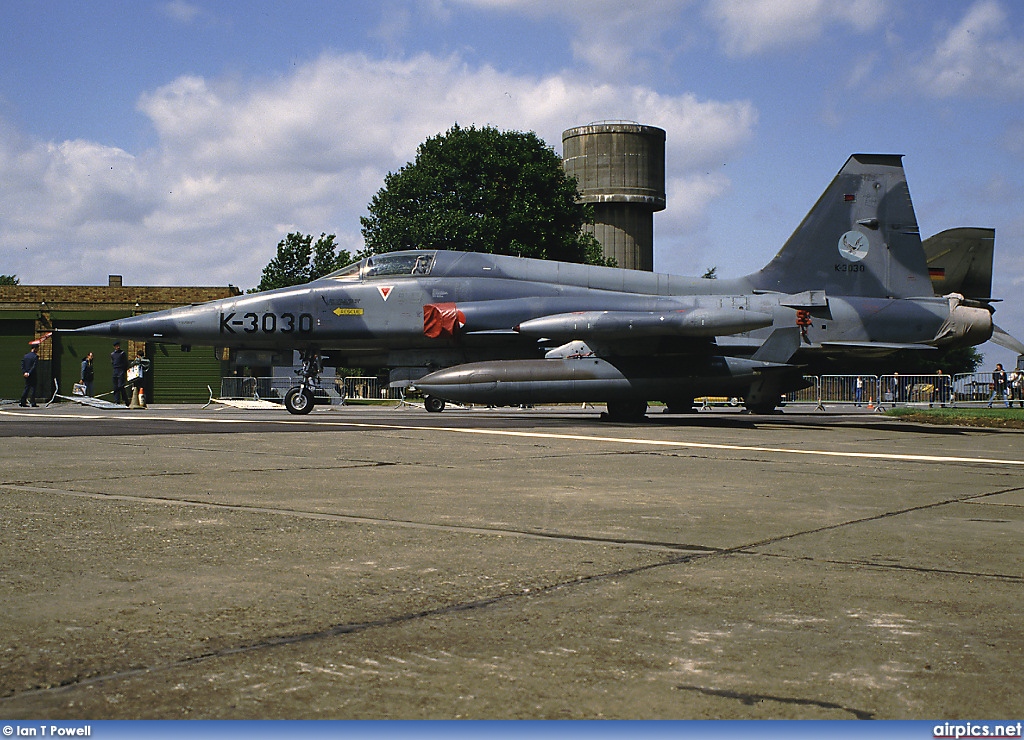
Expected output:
(442, 319)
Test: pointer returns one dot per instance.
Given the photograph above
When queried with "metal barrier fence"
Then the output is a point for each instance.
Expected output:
(879, 391)
(338, 390)
(965, 389)
(908, 390)
(368, 387)
(807, 395)
(856, 390)
(977, 389)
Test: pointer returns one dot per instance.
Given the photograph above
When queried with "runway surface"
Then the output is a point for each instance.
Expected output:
(182, 562)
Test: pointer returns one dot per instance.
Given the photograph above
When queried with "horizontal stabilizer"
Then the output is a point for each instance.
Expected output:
(606, 325)
(779, 347)
(960, 261)
(1000, 337)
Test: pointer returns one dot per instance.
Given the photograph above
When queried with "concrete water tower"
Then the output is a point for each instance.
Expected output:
(620, 166)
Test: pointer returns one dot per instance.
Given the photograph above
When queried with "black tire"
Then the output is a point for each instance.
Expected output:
(680, 406)
(762, 408)
(433, 404)
(629, 411)
(298, 400)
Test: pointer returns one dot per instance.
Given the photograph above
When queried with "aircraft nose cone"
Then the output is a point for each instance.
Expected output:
(134, 327)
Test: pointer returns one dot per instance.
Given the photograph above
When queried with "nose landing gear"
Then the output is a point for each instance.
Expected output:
(300, 399)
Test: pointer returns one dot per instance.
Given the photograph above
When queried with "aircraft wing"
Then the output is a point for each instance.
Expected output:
(872, 349)
(610, 326)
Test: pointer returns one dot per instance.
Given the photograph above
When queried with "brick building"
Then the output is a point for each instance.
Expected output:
(28, 312)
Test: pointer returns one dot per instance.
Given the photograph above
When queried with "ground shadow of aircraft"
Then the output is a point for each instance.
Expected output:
(467, 327)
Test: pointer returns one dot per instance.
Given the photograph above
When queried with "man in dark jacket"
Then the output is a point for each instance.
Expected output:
(88, 374)
(29, 364)
(999, 385)
(119, 364)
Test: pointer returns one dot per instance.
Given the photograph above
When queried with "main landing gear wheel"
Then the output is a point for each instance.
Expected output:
(433, 404)
(762, 407)
(627, 410)
(298, 400)
(680, 406)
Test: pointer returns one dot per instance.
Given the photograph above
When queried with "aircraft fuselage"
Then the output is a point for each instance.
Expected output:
(356, 320)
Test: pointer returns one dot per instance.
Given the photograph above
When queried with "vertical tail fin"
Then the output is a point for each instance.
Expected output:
(860, 239)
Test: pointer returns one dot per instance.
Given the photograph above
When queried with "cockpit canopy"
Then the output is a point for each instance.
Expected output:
(392, 264)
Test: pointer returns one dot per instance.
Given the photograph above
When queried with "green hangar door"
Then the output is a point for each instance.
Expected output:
(14, 339)
(182, 377)
(68, 352)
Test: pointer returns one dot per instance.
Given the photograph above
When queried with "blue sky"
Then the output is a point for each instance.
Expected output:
(178, 142)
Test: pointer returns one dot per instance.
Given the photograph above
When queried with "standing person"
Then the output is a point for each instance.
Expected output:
(1017, 387)
(940, 388)
(999, 385)
(897, 392)
(88, 374)
(29, 364)
(119, 365)
(140, 365)
(858, 391)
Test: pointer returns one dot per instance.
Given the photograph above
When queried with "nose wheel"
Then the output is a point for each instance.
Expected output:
(299, 400)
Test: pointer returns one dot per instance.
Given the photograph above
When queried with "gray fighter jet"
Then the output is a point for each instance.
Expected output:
(469, 327)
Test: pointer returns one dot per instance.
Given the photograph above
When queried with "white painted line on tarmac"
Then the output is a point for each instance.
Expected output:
(696, 445)
(678, 444)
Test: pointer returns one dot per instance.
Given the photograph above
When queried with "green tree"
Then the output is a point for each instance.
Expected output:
(9, 280)
(300, 260)
(950, 361)
(482, 190)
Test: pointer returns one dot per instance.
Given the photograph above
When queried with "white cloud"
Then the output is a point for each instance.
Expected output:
(681, 244)
(238, 166)
(615, 39)
(182, 12)
(748, 27)
(187, 13)
(978, 56)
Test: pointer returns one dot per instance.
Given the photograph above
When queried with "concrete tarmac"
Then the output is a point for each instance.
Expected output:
(180, 562)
